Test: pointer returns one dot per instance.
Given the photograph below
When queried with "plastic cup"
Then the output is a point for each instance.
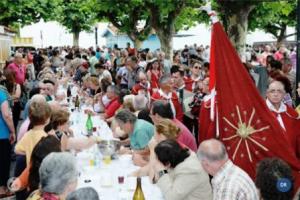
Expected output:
(121, 179)
(107, 160)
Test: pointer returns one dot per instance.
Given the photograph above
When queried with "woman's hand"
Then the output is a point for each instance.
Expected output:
(12, 138)
(138, 159)
(89, 112)
(16, 185)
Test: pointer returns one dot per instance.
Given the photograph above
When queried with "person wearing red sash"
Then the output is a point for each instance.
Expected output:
(167, 93)
(191, 82)
(287, 117)
(143, 85)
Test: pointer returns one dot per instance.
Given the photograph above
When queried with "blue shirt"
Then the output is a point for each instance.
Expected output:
(98, 55)
(4, 130)
(143, 131)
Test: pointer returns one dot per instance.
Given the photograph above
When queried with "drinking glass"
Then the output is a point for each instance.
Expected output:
(107, 160)
(121, 179)
(10, 185)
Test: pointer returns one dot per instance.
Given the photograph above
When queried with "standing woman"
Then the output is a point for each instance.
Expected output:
(154, 73)
(7, 137)
(14, 89)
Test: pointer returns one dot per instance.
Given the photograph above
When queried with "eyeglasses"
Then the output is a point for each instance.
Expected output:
(276, 91)
(197, 67)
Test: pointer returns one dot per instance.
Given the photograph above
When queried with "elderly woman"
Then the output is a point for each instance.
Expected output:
(46, 72)
(88, 193)
(140, 102)
(178, 173)
(58, 177)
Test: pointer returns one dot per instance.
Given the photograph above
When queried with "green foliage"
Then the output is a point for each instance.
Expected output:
(189, 17)
(77, 15)
(24, 12)
(127, 16)
(273, 17)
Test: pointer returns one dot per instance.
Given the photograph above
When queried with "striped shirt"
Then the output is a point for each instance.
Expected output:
(232, 183)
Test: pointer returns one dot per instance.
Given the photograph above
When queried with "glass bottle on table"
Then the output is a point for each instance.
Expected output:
(89, 125)
(69, 93)
(138, 194)
(77, 102)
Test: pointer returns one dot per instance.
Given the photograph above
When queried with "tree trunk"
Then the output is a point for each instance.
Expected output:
(137, 44)
(282, 36)
(76, 38)
(166, 40)
(238, 28)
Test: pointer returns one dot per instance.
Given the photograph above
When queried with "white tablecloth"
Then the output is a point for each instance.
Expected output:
(104, 177)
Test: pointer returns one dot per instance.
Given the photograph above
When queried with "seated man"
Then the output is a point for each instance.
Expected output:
(112, 94)
(140, 132)
(229, 182)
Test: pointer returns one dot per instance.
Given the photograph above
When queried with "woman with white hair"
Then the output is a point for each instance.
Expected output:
(47, 72)
(88, 193)
(140, 102)
(58, 177)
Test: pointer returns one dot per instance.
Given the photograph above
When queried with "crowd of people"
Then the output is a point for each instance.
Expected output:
(151, 103)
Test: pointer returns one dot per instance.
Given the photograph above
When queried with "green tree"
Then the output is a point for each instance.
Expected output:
(77, 16)
(24, 12)
(163, 16)
(234, 15)
(274, 18)
(128, 17)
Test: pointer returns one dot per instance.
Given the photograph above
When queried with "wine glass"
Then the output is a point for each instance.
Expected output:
(13, 187)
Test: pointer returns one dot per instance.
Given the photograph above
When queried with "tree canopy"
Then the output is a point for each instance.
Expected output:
(274, 18)
(76, 16)
(24, 12)
(130, 17)
(137, 18)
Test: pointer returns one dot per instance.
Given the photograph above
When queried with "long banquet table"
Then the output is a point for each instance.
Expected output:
(94, 172)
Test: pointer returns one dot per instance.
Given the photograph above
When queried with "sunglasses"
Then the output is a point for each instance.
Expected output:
(197, 67)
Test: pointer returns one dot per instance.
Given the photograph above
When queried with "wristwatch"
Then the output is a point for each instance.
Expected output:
(162, 172)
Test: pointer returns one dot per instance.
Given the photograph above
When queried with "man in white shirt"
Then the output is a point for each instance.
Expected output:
(229, 182)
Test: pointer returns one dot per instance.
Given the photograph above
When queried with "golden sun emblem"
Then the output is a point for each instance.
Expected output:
(245, 131)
